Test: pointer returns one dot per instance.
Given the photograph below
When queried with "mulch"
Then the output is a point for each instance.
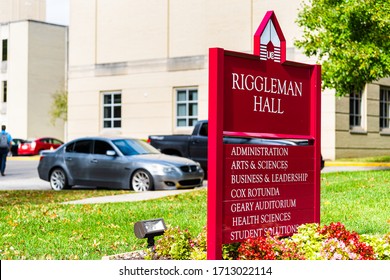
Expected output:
(135, 255)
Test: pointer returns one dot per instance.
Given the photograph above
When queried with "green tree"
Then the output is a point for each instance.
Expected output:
(350, 38)
(59, 108)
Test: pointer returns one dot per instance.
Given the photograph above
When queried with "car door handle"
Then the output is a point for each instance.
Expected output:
(68, 159)
(94, 161)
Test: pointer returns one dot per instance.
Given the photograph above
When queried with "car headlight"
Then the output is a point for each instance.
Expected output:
(162, 169)
(168, 169)
(198, 166)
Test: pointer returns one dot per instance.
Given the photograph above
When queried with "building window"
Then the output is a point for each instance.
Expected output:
(355, 110)
(384, 110)
(4, 87)
(4, 56)
(112, 110)
(186, 107)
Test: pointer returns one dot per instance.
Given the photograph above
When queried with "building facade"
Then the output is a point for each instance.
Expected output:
(33, 68)
(141, 67)
(14, 10)
(362, 122)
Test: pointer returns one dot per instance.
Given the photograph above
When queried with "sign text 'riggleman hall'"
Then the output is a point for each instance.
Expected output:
(273, 86)
(268, 183)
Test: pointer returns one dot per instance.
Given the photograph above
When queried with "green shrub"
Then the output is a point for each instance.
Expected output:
(309, 241)
(380, 245)
(199, 246)
(230, 251)
(174, 244)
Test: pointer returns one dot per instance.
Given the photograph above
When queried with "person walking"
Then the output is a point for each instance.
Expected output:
(5, 146)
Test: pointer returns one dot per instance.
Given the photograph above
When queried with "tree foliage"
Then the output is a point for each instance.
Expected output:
(350, 38)
(59, 108)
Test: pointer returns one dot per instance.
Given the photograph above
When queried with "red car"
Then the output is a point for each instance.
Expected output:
(35, 146)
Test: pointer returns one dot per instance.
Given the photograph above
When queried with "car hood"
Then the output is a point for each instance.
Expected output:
(162, 159)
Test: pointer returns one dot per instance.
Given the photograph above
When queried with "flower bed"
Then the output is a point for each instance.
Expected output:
(311, 242)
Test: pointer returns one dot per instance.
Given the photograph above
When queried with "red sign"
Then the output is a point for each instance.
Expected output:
(255, 190)
(265, 97)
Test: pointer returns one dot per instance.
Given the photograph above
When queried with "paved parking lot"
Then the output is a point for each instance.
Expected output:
(22, 174)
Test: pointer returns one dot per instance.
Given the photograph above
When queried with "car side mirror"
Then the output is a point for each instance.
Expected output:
(111, 153)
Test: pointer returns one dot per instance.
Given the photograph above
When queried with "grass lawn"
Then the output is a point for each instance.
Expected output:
(360, 200)
(35, 225)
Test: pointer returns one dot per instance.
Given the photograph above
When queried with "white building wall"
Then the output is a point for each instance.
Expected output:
(147, 99)
(46, 75)
(146, 49)
(82, 33)
(131, 31)
(13, 10)
(36, 70)
(17, 104)
(328, 125)
(195, 26)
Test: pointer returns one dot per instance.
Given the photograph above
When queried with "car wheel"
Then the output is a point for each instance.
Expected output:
(142, 181)
(58, 180)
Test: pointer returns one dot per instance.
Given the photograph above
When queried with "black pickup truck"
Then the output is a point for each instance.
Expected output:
(194, 146)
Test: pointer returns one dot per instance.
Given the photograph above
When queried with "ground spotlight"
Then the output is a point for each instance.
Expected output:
(149, 229)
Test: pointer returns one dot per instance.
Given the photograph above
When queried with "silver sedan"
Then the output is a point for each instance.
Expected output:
(117, 163)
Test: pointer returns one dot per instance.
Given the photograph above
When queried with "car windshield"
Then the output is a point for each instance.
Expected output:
(130, 147)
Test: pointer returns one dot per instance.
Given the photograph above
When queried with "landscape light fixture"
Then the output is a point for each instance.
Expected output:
(149, 229)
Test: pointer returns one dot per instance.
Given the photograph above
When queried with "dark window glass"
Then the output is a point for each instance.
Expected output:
(83, 146)
(4, 56)
(384, 108)
(355, 112)
(70, 148)
(4, 91)
(101, 147)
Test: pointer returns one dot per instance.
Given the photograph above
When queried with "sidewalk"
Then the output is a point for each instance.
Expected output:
(140, 196)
